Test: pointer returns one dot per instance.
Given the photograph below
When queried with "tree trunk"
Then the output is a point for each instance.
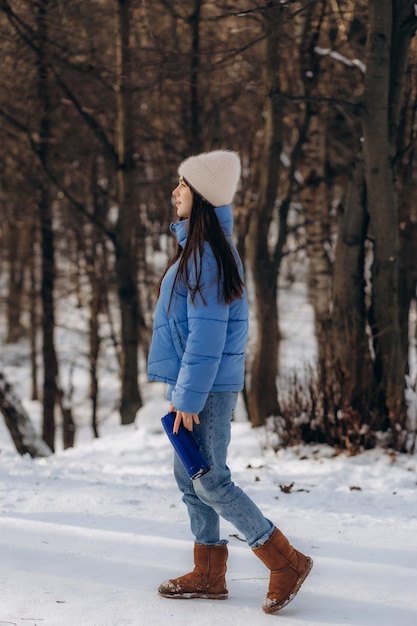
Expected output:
(407, 192)
(195, 126)
(48, 319)
(34, 321)
(95, 306)
(315, 196)
(316, 206)
(126, 258)
(351, 342)
(17, 247)
(263, 394)
(47, 236)
(404, 25)
(95, 270)
(404, 134)
(390, 359)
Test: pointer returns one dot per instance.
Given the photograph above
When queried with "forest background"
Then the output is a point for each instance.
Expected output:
(101, 100)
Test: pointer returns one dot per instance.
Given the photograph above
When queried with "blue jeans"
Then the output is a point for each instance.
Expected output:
(215, 494)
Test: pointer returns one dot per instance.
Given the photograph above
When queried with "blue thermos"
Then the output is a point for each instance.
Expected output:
(186, 446)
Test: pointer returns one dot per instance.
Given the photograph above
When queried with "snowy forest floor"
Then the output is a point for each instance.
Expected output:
(88, 534)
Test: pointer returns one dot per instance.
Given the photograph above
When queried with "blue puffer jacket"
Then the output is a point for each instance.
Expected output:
(197, 348)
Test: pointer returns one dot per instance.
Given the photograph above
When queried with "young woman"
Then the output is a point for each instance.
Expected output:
(198, 348)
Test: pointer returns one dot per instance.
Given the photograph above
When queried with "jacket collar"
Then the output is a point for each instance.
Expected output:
(225, 215)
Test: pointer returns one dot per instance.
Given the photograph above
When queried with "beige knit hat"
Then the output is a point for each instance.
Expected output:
(215, 175)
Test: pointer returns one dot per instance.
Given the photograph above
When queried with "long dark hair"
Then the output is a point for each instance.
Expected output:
(204, 226)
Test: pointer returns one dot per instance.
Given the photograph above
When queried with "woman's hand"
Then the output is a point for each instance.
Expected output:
(188, 419)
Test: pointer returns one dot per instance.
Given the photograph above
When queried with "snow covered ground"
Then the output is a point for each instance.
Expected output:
(87, 535)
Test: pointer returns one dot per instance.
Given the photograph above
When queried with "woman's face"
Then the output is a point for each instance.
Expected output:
(183, 198)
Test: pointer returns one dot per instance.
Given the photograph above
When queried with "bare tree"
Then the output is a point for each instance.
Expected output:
(126, 258)
(262, 395)
(42, 147)
(390, 22)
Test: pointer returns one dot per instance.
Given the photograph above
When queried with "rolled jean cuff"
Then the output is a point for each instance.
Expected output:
(222, 542)
(265, 537)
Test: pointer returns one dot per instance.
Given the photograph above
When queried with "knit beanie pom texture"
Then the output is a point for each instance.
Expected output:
(215, 175)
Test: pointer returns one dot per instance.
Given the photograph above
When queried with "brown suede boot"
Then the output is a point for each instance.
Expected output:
(289, 568)
(207, 580)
